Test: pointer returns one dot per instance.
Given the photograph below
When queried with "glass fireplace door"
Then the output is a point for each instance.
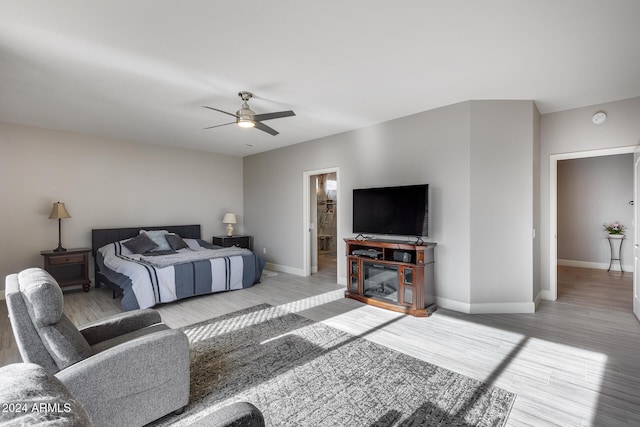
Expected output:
(380, 281)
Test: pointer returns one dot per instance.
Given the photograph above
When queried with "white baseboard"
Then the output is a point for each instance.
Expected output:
(486, 308)
(284, 269)
(594, 265)
(314, 269)
(536, 300)
(454, 305)
(546, 295)
(503, 307)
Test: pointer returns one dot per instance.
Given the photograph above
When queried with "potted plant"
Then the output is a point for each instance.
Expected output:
(615, 230)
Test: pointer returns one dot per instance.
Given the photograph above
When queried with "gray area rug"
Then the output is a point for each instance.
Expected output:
(302, 373)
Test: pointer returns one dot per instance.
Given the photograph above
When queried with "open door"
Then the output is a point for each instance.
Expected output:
(636, 238)
(312, 220)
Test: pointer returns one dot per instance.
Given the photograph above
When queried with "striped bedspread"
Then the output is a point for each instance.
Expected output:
(184, 257)
(145, 285)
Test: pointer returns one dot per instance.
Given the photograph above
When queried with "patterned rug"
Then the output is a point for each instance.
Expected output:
(302, 373)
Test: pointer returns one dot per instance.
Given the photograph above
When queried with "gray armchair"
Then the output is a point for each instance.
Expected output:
(128, 369)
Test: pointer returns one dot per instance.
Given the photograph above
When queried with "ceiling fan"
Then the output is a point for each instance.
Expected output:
(247, 118)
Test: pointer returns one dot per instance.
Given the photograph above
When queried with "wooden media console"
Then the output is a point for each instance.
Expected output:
(398, 276)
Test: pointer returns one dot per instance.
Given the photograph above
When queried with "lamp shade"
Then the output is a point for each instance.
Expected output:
(229, 218)
(59, 211)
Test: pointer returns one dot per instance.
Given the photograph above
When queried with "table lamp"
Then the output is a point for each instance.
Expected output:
(58, 211)
(229, 219)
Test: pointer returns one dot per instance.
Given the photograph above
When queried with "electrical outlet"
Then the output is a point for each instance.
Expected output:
(264, 250)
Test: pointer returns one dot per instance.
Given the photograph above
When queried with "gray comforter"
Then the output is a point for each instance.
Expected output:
(146, 285)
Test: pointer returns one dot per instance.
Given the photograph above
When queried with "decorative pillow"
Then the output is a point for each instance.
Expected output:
(175, 241)
(158, 238)
(140, 244)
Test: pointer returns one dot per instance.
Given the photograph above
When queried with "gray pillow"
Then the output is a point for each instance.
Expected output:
(158, 238)
(175, 241)
(140, 244)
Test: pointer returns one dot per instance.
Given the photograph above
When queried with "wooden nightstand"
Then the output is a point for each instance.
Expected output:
(240, 241)
(69, 268)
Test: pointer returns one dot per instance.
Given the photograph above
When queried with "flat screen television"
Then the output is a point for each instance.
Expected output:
(400, 211)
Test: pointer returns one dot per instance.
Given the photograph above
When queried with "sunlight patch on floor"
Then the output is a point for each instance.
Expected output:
(208, 330)
(570, 378)
(225, 325)
(314, 301)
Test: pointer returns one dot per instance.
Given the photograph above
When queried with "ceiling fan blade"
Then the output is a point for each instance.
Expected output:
(217, 126)
(266, 128)
(215, 109)
(269, 116)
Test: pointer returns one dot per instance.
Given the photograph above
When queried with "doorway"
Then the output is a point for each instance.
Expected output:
(553, 208)
(321, 234)
(326, 229)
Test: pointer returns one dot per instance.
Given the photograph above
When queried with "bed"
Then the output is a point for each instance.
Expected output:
(148, 279)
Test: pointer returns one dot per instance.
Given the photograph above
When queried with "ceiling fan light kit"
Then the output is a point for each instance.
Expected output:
(245, 114)
(244, 123)
(247, 118)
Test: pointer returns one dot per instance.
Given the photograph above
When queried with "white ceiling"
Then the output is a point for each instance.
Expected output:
(140, 70)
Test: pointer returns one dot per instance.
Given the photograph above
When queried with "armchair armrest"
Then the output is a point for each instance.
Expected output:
(135, 382)
(119, 324)
(237, 414)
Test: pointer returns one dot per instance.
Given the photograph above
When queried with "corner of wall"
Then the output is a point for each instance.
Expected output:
(284, 269)
(450, 304)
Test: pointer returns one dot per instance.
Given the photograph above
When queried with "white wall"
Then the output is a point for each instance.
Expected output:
(593, 191)
(445, 148)
(430, 147)
(103, 183)
(536, 291)
(572, 131)
(502, 205)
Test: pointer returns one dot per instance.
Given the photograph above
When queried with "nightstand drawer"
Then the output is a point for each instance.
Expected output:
(68, 259)
(234, 241)
(70, 268)
(239, 241)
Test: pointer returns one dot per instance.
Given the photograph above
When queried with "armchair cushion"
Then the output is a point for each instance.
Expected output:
(119, 324)
(43, 298)
(42, 295)
(35, 397)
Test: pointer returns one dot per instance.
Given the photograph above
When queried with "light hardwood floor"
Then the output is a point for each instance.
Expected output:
(575, 362)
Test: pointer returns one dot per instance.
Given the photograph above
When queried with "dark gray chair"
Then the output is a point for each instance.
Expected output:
(129, 369)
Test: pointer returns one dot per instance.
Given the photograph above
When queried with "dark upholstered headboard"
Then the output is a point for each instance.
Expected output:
(104, 236)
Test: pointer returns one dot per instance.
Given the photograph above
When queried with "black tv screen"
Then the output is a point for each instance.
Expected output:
(401, 211)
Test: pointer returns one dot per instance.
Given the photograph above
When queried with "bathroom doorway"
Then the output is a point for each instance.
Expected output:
(326, 190)
(322, 230)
